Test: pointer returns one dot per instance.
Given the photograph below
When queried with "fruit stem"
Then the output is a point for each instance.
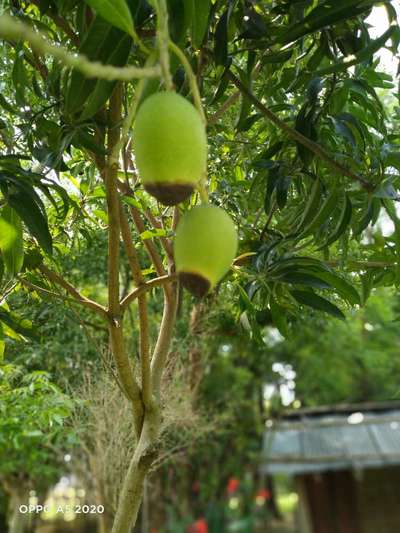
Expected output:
(163, 40)
(203, 192)
(192, 79)
(128, 121)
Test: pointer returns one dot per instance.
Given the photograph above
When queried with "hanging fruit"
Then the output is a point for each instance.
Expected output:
(170, 147)
(204, 248)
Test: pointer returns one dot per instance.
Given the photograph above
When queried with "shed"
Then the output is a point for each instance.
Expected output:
(346, 463)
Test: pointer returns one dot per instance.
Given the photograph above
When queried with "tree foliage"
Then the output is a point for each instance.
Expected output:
(303, 154)
(33, 410)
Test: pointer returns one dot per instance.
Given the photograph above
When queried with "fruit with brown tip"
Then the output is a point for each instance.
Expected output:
(205, 245)
(170, 147)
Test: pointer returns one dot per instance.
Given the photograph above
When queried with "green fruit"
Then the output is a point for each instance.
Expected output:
(204, 248)
(170, 147)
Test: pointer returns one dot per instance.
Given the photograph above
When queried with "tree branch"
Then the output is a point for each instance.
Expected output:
(124, 367)
(297, 136)
(12, 28)
(148, 285)
(144, 342)
(111, 176)
(144, 349)
(77, 296)
(129, 248)
(165, 243)
(229, 102)
(148, 243)
(151, 249)
(163, 344)
(125, 374)
(354, 265)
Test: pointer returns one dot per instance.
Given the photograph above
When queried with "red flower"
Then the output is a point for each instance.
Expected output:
(199, 527)
(233, 485)
(263, 494)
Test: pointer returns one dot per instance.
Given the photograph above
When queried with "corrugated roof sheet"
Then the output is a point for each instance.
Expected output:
(332, 442)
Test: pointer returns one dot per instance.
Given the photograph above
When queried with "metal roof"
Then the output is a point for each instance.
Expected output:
(316, 442)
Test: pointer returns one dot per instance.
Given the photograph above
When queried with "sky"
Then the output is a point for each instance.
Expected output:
(379, 24)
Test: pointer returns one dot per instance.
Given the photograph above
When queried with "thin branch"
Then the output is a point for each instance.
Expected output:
(124, 367)
(46, 292)
(144, 341)
(151, 249)
(12, 28)
(229, 102)
(41, 67)
(148, 243)
(192, 79)
(165, 243)
(7, 290)
(148, 285)
(111, 176)
(163, 344)
(144, 349)
(131, 253)
(297, 136)
(125, 374)
(176, 217)
(352, 264)
(233, 98)
(163, 40)
(77, 296)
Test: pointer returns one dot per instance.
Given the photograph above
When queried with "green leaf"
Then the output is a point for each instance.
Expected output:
(323, 15)
(343, 287)
(116, 12)
(20, 80)
(386, 190)
(200, 21)
(363, 55)
(311, 299)
(103, 89)
(342, 223)
(312, 204)
(93, 47)
(282, 189)
(305, 125)
(372, 208)
(11, 241)
(303, 278)
(84, 139)
(102, 43)
(7, 106)
(150, 234)
(2, 344)
(34, 218)
(180, 17)
(344, 131)
(221, 38)
(298, 262)
(17, 324)
(322, 215)
(279, 317)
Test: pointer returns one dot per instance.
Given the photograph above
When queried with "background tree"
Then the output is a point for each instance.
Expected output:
(347, 362)
(32, 437)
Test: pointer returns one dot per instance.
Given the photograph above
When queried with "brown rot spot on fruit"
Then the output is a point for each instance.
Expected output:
(169, 194)
(195, 284)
